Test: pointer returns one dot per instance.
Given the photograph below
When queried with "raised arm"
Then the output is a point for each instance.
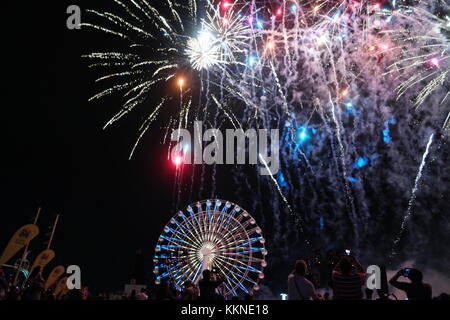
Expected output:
(358, 265)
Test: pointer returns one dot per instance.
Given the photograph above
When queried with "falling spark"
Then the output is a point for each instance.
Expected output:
(413, 194)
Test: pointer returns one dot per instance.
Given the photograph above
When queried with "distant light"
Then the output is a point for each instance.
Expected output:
(294, 8)
(386, 136)
(283, 296)
(178, 160)
(226, 5)
(282, 180)
(352, 179)
(303, 135)
(361, 162)
(321, 40)
(259, 24)
(337, 16)
(384, 46)
(181, 82)
(279, 12)
(434, 62)
(251, 61)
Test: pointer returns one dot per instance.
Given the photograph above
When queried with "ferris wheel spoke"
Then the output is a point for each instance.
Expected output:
(232, 266)
(251, 241)
(197, 273)
(197, 228)
(250, 259)
(235, 276)
(227, 277)
(195, 239)
(241, 265)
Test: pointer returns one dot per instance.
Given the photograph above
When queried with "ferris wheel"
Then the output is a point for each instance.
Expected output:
(216, 235)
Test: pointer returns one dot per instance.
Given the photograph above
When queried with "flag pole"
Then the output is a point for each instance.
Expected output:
(53, 232)
(25, 252)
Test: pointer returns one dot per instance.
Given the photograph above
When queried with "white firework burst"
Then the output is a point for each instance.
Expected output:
(161, 48)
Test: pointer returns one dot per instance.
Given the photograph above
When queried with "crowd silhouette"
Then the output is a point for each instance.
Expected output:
(344, 279)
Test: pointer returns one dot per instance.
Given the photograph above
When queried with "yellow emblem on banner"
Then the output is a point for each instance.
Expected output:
(19, 240)
(54, 276)
(43, 259)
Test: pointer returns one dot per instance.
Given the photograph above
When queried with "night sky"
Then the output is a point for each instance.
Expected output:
(58, 157)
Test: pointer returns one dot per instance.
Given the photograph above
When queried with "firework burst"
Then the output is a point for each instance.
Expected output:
(323, 72)
(424, 45)
(162, 49)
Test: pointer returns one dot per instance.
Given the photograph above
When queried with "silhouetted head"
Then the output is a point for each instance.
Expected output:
(248, 297)
(415, 275)
(345, 265)
(300, 267)
(206, 274)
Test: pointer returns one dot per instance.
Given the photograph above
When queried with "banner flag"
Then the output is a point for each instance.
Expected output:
(63, 292)
(20, 239)
(54, 276)
(43, 259)
(62, 284)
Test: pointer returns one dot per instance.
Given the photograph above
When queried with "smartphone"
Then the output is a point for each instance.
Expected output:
(406, 272)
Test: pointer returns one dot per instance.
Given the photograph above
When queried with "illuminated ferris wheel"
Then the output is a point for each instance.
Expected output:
(215, 235)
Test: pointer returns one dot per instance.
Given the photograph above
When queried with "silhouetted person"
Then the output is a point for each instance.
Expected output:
(74, 295)
(3, 285)
(164, 292)
(300, 288)
(139, 271)
(190, 292)
(369, 294)
(208, 287)
(416, 289)
(36, 288)
(132, 295)
(248, 297)
(142, 295)
(443, 297)
(347, 285)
